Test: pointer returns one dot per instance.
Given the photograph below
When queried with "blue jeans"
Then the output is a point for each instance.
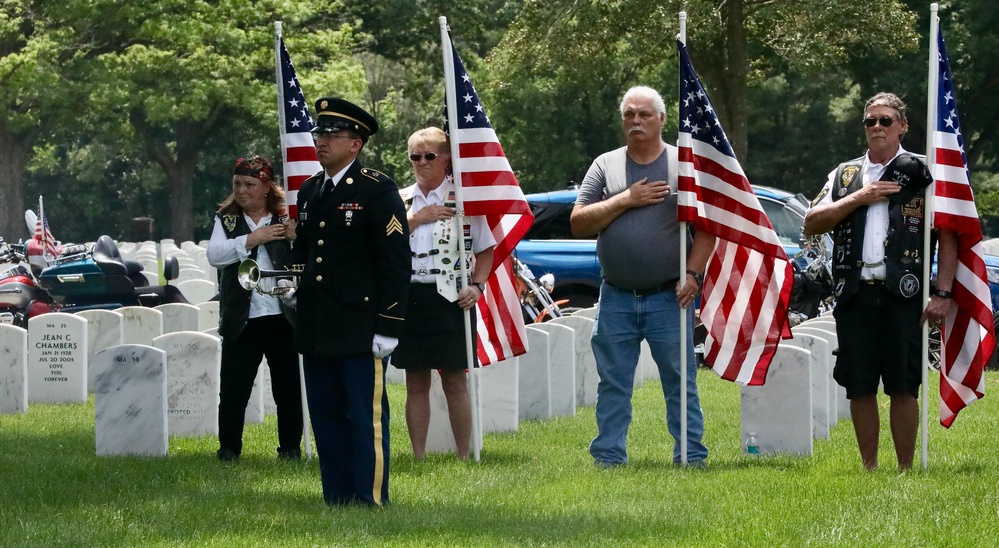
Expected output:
(623, 320)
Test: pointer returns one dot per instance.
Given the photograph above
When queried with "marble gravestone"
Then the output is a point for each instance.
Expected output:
(820, 383)
(562, 373)
(534, 398)
(827, 332)
(779, 413)
(57, 358)
(208, 315)
(193, 370)
(180, 317)
(500, 396)
(818, 344)
(140, 325)
(104, 330)
(13, 369)
(130, 401)
(586, 365)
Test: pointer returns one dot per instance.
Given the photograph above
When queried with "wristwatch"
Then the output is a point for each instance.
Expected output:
(699, 278)
(481, 286)
(942, 294)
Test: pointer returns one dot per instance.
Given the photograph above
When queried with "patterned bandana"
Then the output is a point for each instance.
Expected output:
(255, 166)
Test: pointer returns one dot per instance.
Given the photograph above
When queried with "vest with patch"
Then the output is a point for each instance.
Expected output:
(446, 241)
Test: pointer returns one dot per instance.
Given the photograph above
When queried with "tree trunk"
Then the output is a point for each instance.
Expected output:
(14, 153)
(734, 85)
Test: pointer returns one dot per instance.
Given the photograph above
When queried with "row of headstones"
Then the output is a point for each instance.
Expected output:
(556, 375)
(196, 279)
(143, 393)
(800, 402)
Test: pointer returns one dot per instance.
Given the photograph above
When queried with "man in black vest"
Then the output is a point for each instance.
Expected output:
(875, 206)
(354, 242)
(252, 223)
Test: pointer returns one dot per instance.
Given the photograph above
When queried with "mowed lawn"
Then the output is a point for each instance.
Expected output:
(535, 487)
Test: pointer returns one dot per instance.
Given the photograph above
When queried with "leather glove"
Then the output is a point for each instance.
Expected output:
(288, 297)
(382, 346)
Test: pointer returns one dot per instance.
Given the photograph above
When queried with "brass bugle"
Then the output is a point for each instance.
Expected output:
(249, 275)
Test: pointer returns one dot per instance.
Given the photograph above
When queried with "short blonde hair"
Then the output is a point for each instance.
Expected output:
(432, 136)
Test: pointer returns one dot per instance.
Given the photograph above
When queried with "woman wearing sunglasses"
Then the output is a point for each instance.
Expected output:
(434, 331)
(875, 207)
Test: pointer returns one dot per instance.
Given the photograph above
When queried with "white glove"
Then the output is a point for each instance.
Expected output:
(288, 297)
(382, 346)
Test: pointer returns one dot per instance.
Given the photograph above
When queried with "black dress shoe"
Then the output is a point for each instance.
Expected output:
(289, 454)
(226, 455)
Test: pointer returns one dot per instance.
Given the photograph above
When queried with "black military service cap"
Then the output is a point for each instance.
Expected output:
(336, 114)
(910, 172)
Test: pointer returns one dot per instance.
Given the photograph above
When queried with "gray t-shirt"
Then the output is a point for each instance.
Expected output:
(641, 248)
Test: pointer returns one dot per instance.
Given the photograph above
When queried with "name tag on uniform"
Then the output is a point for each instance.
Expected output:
(303, 215)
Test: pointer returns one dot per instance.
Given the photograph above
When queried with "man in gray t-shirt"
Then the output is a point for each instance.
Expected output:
(628, 199)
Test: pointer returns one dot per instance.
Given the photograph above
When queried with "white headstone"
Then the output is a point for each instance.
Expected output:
(140, 325)
(500, 396)
(208, 315)
(820, 382)
(647, 368)
(255, 405)
(190, 273)
(779, 413)
(440, 437)
(590, 313)
(535, 376)
(13, 369)
(130, 401)
(586, 365)
(104, 330)
(197, 291)
(57, 358)
(193, 369)
(839, 406)
(562, 342)
(179, 317)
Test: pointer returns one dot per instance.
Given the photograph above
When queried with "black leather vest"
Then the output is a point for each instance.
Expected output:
(903, 245)
(234, 301)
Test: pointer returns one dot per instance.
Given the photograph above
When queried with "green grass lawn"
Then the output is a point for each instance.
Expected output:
(535, 487)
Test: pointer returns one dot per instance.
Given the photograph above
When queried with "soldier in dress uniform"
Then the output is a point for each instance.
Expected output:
(353, 239)
(875, 207)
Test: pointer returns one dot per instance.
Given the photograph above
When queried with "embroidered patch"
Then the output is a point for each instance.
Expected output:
(393, 226)
(908, 286)
(849, 172)
(820, 196)
(230, 222)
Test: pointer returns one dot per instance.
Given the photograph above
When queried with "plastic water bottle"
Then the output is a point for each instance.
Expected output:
(752, 446)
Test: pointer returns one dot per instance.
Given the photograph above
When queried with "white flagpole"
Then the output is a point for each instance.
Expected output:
(931, 124)
(474, 387)
(683, 312)
(306, 424)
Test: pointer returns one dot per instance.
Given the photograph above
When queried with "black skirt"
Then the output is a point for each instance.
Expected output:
(434, 332)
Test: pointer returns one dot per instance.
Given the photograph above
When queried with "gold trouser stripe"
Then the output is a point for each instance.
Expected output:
(376, 417)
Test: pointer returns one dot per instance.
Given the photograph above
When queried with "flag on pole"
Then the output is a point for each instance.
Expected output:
(298, 151)
(490, 189)
(967, 339)
(42, 232)
(747, 284)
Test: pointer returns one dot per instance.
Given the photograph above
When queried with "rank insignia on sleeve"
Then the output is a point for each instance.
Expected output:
(393, 226)
(230, 222)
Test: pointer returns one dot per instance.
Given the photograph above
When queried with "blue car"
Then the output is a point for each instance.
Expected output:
(550, 247)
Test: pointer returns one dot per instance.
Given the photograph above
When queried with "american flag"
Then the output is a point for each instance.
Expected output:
(747, 284)
(490, 189)
(298, 151)
(968, 338)
(42, 232)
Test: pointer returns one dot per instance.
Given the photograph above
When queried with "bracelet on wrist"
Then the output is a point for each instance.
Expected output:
(699, 278)
(481, 286)
(942, 294)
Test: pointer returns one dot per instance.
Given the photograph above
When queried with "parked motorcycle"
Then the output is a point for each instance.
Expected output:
(535, 294)
(98, 277)
(20, 295)
(812, 292)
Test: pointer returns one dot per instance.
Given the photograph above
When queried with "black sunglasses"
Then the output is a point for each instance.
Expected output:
(886, 121)
(428, 156)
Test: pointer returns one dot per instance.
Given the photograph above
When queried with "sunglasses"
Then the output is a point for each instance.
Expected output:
(886, 121)
(428, 156)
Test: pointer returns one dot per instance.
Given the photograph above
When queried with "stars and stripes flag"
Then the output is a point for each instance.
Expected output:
(747, 283)
(42, 232)
(298, 151)
(968, 338)
(490, 189)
